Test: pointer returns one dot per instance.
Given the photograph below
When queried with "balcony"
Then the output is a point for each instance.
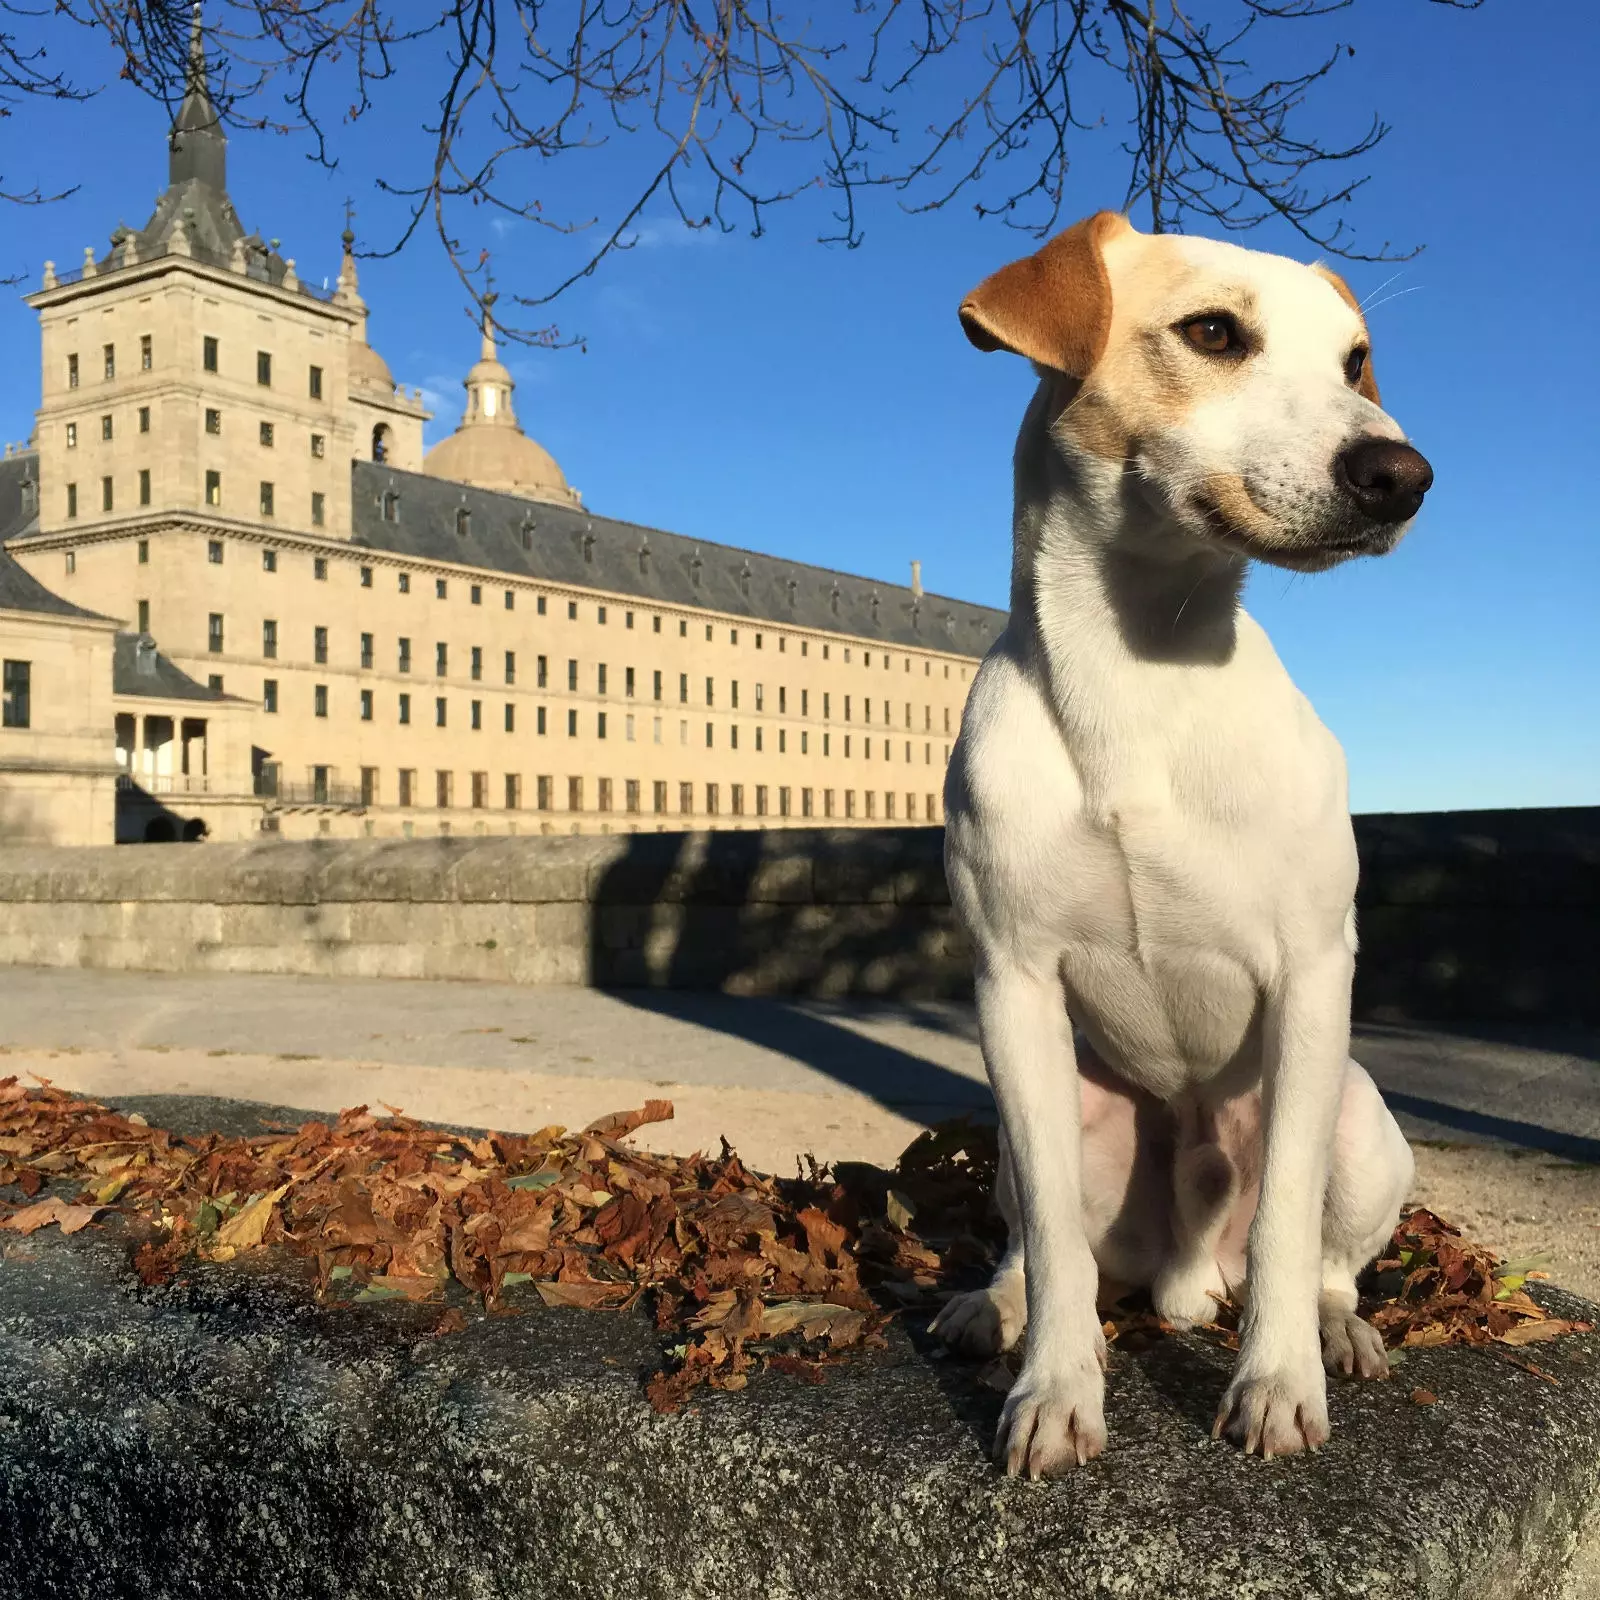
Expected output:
(316, 795)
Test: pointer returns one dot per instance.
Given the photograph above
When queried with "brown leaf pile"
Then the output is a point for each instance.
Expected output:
(743, 1270)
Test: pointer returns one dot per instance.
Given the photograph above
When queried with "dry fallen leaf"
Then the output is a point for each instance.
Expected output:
(1424, 1397)
(71, 1219)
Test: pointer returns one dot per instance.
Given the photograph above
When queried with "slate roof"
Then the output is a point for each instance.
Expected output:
(21, 591)
(19, 509)
(570, 545)
(138, 668)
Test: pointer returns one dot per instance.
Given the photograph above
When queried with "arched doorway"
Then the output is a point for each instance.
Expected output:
(160, 830)
(380, 442)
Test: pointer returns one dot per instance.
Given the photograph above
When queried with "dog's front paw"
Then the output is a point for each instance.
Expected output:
(986, 1321)
(1352, 1346)
(1278, 1413)
(1053, 1419)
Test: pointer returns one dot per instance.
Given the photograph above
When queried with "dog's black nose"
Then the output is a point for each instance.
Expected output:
(1385, 478)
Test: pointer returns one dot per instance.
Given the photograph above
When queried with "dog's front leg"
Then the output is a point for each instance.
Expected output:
(1277, 1402)
(1054, 1414)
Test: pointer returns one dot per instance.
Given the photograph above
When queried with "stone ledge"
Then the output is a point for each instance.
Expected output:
(228, 1438)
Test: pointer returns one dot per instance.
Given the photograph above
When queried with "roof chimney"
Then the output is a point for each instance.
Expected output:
(916, 578)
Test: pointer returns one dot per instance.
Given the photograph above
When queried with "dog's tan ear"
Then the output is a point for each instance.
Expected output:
(1368, 387)
(1054, 307)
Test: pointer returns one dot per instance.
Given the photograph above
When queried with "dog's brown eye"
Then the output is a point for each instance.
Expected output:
(1354, 365)
(1217, 336)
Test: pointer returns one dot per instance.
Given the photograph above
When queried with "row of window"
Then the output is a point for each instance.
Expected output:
(441, 591)
(267, 504)
(210, 360)
(408, 792)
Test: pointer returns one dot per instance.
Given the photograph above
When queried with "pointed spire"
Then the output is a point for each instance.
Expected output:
(197, 147)
(349, 288)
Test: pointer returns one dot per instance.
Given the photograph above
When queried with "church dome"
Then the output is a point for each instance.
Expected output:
(368, 370)
(489, 450)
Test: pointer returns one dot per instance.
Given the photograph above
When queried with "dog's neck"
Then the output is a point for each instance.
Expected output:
(1124, 613)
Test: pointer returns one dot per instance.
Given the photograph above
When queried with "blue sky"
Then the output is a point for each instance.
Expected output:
(821, 402)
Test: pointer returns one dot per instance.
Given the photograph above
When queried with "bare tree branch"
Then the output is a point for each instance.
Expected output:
(750, 108)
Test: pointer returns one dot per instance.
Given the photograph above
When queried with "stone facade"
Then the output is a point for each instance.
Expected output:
(223, 461)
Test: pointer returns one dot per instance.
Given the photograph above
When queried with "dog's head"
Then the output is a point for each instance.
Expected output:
(1235, 387)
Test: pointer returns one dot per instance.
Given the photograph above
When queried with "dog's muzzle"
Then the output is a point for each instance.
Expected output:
(1384, 478)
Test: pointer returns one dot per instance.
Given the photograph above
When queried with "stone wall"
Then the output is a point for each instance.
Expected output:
(1463, 915)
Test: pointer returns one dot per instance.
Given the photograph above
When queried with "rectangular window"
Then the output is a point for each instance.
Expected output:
(708, 736)
(441, 659)
(319, 646)
(111, 360)
(683, 688)
(541, 793)
(107, 496)
(269, 694)
(72, 436)
(441, 588)
(72, 499)
(600, 724)
(106, 429)
(319, 700)
(658, 797)
(213, 488)
(627, 682)
(827, 802)
(511, 599)
(214, 552)
(214, 633)
(572, 724)
(318, 508)
(403, 583)
(760, 698)
(477, 715)
(543, 673)
(367, 643)
(405, 710)
(391, 513)
(511, 666)
(213, 422)
(628, 728)
(441, 712)
(849, 803)
(16, 694)
(604, 799)
(408, 786)
(709, 695)
(369, 786)
(72, 371)
(480, 790)
(538, 719)
(315, 386)
(572, 611)
(319, 568)
(144, 616)
(208, 354)
(144, 552)
(476, 666)
(600, 678)
(655, 729)
(269, 640)
(319, 784)
(319, 445)
(655, 687)
(572, 677)
(475, 595)
(602, 618)
(144, 486)
(144, 419)
(888, 807)
(267, 434)
(686, 799)
(365, 576)
(264, 367)
(405, 655)
(733, 698)
(71, 562)
(761, 799)
(871, 799)
(736, 793)
(711, 799)
(574, 794)
(539, 604)
(444, 784)
(783, 791)
(147, 352)
(805, 802)
(511, 718)
(266, 499)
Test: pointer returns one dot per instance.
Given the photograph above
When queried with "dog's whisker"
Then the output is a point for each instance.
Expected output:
(1393, 276)
(1396, 295)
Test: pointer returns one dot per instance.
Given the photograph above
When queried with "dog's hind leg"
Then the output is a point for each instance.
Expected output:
(1368, 1180)
(989, 1320)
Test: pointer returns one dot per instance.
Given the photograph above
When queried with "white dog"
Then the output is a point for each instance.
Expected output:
(1149, 836)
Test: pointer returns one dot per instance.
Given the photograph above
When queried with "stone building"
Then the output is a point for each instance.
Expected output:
(385, 639)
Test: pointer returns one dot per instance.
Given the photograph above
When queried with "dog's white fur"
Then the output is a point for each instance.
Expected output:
(1149, 841)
